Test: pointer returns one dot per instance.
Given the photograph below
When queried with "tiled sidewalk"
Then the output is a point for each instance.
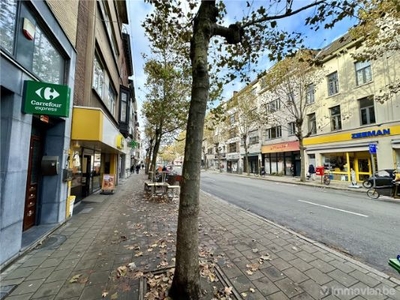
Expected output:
(81, 259)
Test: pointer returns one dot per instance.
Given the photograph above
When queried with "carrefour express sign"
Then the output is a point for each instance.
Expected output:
(41, 98)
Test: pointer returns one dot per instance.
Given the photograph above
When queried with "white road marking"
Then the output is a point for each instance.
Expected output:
(338, 209)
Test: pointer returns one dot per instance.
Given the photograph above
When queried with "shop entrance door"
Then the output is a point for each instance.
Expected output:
(32, 184)
(86, 175)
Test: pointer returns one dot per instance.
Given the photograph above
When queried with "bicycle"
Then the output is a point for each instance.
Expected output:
(327, 179)
(374, 192)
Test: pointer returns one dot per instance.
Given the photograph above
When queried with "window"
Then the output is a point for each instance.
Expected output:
(253, 137)
(232, 147)
(8, 13)
(111, 99)
(98, 76)
(273, 133)
(367, 112)
(336, 120)
(274, 105)
(210, 151)
(333, 84)
(312, 123)
(292, 128)
(290, 98)
(232, 133)
(124, 106)
(363, 72)
(310, 91)
(47, 61)
(232, 119)
(107, 24)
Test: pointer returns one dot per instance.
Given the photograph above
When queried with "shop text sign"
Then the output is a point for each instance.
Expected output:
(41, 98)
(370, 133)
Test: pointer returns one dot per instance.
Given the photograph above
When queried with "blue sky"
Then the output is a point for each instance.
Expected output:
(137, 11)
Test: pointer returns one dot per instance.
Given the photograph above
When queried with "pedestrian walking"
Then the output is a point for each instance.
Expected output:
(137, 169)
(311, 171)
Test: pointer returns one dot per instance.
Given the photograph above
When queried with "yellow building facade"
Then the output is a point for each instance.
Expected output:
(349, 121)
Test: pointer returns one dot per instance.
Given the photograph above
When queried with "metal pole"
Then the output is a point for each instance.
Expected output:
(373, 170)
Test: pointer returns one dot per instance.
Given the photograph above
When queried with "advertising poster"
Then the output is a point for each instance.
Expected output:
(108, 184)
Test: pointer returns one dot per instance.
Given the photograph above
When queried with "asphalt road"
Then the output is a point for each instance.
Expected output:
(368, 230)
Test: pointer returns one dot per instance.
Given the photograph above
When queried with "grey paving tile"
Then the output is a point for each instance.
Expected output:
(322, 266)
(318, 276)
(306, 256)
(48, 290)
(265, 286)
(312, 288)
(301, 265)
(242, 283)
(273, 273)
(59, 275)
(295, 275)
(343, 278)
(27, 287)
(41, 273)
(20, 273)
(368, 280)
(280, 264)
(341, 266)
(288, 287)
(277, 296)
(286, 255)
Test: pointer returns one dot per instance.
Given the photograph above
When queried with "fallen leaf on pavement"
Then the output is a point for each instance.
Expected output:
(121, 271)
(104, 294)
(114, 296)
(228, 290)
(75, 278)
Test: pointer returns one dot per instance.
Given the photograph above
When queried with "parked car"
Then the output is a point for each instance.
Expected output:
(382, 177)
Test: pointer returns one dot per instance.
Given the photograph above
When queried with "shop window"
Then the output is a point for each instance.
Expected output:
(310, 91)
(8, 17)
(333, 84)
(273, 133)
(367, 111)
(108, 24)
(336, 119)
(363, 72)
(312, 123)
(292, 128)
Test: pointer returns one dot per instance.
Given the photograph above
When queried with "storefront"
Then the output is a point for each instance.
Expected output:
(97, 149)
(37, 65)
(282, 158)
(343, 152)
(253, 163)
(232, 163)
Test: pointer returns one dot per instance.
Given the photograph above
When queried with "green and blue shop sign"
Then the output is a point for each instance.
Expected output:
(41, 98)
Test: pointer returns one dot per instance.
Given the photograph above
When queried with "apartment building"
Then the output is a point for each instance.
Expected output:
(68, 111)
(37, 48)
(342, 119)
(350, 118)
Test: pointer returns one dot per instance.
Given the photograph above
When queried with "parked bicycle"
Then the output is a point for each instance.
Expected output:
(327, 179)
(386, 190)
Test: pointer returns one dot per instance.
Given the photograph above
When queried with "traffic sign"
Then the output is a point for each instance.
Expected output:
(372, 148)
